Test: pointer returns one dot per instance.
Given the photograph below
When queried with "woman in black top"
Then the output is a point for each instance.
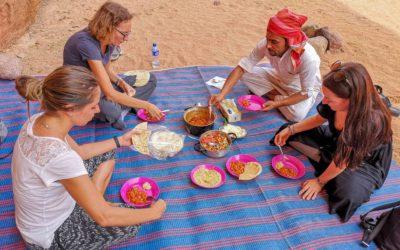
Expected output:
(351, 154)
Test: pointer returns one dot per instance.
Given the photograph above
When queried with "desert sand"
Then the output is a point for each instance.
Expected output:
(196, 32)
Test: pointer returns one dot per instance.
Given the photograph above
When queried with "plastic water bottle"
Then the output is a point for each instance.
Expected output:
(155, 53)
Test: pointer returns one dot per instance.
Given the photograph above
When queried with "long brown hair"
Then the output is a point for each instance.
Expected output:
(66, 88)
(107, 18)
(368, 121)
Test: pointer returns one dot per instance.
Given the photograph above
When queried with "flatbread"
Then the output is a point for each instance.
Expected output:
(251, 171)
(166, 141)
(140, 140)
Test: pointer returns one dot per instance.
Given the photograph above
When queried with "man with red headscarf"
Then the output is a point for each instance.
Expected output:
(292, 80)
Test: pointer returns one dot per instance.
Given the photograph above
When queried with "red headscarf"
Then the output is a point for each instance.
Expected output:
(288, 24)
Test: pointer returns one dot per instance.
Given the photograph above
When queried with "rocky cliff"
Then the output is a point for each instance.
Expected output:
(15, 18)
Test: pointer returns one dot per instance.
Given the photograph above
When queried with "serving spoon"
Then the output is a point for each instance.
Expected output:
(209, 111)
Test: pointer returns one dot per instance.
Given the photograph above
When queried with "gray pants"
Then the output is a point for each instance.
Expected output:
(112, 112)
(80, 231)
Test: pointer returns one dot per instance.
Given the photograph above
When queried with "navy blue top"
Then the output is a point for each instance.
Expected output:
(81, 47)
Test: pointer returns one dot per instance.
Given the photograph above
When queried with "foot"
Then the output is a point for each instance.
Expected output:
(271, 95)
(394, 111)
(120, 125)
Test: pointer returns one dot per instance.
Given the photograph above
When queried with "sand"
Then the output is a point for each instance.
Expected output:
(199, 33)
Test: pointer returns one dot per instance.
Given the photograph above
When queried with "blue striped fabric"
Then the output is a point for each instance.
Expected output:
(265, 213)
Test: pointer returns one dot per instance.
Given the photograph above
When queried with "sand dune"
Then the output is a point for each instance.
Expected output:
(198, 33)
(383, 12)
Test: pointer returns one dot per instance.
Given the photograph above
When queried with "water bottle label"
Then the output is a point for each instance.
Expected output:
(155, 52)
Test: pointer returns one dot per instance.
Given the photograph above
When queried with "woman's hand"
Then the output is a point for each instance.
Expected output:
(310, 189)
(154, 111)
(281, 137)
(127, 88)
(125, 140)
(159, 208)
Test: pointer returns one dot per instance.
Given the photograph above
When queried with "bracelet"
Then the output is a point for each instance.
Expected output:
(291, 129)
(116, 142)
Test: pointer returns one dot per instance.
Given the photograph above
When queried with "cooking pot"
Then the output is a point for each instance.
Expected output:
(211, 147)
(198, 112)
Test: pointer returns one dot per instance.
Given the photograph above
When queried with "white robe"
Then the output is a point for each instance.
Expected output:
(280, 75)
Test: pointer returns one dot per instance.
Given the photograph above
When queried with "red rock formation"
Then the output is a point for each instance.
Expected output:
(15, 18)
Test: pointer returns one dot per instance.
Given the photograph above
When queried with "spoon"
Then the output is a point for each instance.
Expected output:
(283, 155)
(209, 111)
(197, 139)
(192, 137)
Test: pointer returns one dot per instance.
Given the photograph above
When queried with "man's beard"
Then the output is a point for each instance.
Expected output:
(271, 52)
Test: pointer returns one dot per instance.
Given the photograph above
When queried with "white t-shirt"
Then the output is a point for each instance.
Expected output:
(306, 78)
(42, 204)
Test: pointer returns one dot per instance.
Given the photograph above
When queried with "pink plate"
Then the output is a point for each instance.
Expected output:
(240, 157)
(208, 166)
(255, 102)
(142, 115)
(154, 192)
(291, 162)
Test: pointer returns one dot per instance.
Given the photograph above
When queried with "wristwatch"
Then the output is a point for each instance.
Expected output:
(116, 141)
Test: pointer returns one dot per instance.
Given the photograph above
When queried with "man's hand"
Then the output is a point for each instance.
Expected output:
(269, 105)
(216, 99)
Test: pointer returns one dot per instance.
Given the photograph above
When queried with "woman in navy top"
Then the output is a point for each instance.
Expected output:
(92, 48)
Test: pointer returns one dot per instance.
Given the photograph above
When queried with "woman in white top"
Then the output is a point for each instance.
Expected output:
(58, 185)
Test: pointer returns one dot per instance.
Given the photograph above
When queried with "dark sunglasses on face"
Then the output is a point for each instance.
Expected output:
(339, 74)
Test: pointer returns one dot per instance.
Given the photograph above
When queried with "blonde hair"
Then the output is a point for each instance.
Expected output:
(66, 88)
(107, 18)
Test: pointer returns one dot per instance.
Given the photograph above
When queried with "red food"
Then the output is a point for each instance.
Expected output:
(288, 172)
(246, 103)
(214, 142)
(199, 121)
(237, 167)
(137, 196)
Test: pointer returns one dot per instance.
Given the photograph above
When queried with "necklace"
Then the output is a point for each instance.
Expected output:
(44, 124)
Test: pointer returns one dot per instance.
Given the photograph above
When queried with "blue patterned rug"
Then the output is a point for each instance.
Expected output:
(265, 213)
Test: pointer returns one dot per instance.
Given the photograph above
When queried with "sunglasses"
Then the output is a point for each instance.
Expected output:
(124, 34)
(339, 74)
